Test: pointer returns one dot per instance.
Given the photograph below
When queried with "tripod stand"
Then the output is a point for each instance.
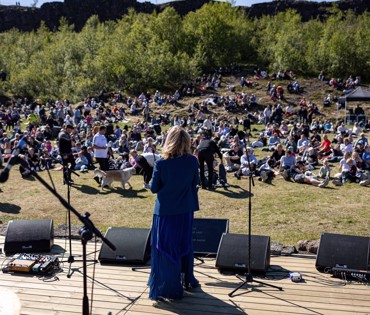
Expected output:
(67, 181)
(248, 276)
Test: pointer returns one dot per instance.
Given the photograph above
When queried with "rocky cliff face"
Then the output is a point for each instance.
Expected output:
(308, 10)
(77, 12)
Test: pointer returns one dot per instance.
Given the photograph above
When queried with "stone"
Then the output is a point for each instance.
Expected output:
(280, 249)
(310, 246)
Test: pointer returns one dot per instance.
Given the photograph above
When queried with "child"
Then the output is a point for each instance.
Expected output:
(349, 175)
(324, 171)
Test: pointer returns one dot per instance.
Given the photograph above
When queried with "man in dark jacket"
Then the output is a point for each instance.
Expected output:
(206, 151)
(65, 150)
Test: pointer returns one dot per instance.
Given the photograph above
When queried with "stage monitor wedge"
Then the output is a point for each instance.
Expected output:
(207, 235)
(343, 252)
(29, 236)
(132, 246)
(233, 255)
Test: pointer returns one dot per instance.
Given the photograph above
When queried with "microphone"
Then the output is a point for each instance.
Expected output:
(12, 160)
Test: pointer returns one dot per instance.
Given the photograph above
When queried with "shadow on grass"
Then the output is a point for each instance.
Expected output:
(233, 191)
(89, 190)
(9, 208)
(127, 193)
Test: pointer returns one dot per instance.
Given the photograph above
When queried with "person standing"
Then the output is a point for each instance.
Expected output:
(65, 150)
(206, 151)
(175, 180)
(100, 146)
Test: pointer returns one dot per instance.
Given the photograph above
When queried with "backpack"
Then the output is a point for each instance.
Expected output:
(222, 179)
(214, 178)
(286, 174)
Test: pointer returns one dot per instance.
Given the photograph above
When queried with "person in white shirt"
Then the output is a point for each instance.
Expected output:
(207, 127)
(356, 130)
(248, 163)
(346, 146)
(101, 148)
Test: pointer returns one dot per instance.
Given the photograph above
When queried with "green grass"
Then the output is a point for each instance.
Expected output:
(286, 211)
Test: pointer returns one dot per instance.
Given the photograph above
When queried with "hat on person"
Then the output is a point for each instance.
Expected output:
(361, 142)
(69, 126)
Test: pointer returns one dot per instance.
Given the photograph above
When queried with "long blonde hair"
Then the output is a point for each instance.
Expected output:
(177, 143)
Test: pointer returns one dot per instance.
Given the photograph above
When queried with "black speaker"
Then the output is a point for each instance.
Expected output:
(233, 256)
(343, 252)
(207, 235)
(132, 246)
(29, 236)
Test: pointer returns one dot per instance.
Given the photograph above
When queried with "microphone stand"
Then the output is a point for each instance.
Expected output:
(66, 176)
(248, 275)
(86, 232)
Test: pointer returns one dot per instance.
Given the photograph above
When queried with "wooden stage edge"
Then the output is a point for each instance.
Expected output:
(117, 289)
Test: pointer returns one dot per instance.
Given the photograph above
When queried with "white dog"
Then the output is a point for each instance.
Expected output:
(108, 177)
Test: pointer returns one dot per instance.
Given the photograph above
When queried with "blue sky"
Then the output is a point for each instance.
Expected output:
(40, 2)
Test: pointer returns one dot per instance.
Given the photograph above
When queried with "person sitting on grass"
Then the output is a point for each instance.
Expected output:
(335, 153)
(324, 171)
(286, 162)
(248, 163)
(349, 174)
(299, 176)
(81, 162)
(33, 159)
(232, 158)
(277, 154)
(266, 171)
(324, 148)
(343, 167)
(302, 144)
(366, 166)
(366, 158)
(346, 146)
(310, 158)
(273, 141)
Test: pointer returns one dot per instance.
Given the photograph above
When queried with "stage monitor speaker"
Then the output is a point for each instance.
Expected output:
(29, 236)
(207, 235)
(233, 256)
(343, 252)
(132, 246)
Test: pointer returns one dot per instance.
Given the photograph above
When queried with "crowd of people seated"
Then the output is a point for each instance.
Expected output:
(296, 140)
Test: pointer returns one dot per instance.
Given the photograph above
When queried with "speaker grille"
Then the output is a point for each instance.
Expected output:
(343, 251)
(132, 246)
(233, 253)
(29, 236)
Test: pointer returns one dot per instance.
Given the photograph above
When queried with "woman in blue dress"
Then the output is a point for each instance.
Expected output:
(175, 180)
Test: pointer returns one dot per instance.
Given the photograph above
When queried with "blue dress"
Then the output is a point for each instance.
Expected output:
(172, 257)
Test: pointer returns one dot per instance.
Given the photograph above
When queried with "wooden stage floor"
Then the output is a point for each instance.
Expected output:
(119, 290)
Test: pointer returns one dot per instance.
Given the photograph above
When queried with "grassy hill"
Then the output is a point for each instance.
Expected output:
(283, 210)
